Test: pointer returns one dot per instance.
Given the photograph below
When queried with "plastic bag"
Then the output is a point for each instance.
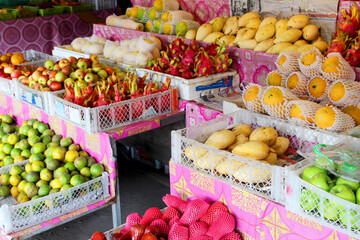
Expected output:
(337, 160)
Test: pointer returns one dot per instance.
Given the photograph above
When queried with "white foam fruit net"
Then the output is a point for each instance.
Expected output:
(176, 16)
(253, 103)
(287, 62)
(276, 73)
(169, 29)
(300, 87)
(170, 5)
(342, 121)
(340, 69)
(318, 88)
(303, 111)
(143, 14)
(344, 92)
(277, 103)
(128, 24)
(313, 69)
(149, 26)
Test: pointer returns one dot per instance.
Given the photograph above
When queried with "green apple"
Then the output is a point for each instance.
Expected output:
(354, 218)
(323, 181)
(331, 210)
(353, 185)
(344, 192)
(358, 196)
(309, 200)
(334, 211)
(49, 65)
(311, 171)
(102, 74)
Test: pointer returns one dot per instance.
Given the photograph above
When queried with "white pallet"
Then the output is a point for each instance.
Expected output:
(301, 138)
(190, 89)
(293, 200)
(104, 118)
(15, 217)
(33, 97)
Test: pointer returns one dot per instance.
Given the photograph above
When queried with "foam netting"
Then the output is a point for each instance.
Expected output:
(150, 215)
(128, 12)
(160, 28)
(313, 69)
(178, 232)
(176, 16)
(262, 179)
(277, 71)
(342, 121)
(175, 202)
(281, 109)
(324, 95)
(170, 5)
(326, 102)
(149, 26)
(301, 87)
(157, 14)
(169, 214)
(213, 212)
(291, 63)
(197, 229)
(169, 29)
(343, 71)
(127, 23)
(162, 226)
(351, 93)
(190, 25)
(322, 207)
(254, 105)
(223, 224)
(145, 17)
(308, 110)
(194, 211)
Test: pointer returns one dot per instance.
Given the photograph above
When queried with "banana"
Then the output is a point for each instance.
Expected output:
(278, 47)
(227, 39)
(289, 49)
(265, 32)
(268, 20)
(191, 34)
(244, 19)
(300, 42)
(218, 23)
(281, 26)
(263, 46)
(231, 25)
(304, 48)
(254, 23)
(245, 34)
(203, 31)
(298, 21)
(212, 37)
(291, 36)
(247, 44)
(321, 45)
(310, 32)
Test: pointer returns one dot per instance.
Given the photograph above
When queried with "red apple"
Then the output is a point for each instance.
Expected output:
(57, 67)
(88, 62)
(36, 75)
(79, 73)
(52, 74)
(64, 62)
(60, 77)
(40, 69)
(43, 79)
(67, 70)
(38, 86)
(55, 86)
(72, 59)
(109, 70)
(15, 74)
(46, 89)
(9, 69)
(25, 81)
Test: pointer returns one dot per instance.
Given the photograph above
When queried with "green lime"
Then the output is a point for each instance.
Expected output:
(36, 157)
(33, 132)
(37, 166)
(80, 162)
(57, 138)
(28, 167)
(85, 172)
(15, 152)
(26, 153)
(49, 132)
(39, 147)
(16, 170)
(46, 175)
(64, 179)
(7, 148)
(58, 172)
(36, 124)
(24, 129)
(44, 190)
(70, 166)
(13, 139)
(45, 139)
(15, 180)
(5, 179)
(24, 144)
(8, 161)
(33, 140)
(41, 182)
(4, 191)
(96, 170)
(32, 177)
(77, 180)
(42, 127)
(52, 164)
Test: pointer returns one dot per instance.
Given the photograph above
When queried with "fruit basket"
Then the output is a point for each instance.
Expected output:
(33, 55)
(63, 52)
(190, 89)
(10, 15)
(99, 119)
(268, 181)
(31, 96)
(51, 11)
(320, 206)
(14, 217)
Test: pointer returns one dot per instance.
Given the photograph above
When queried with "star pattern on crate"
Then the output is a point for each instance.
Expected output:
(93, 142)
(183, 189)
(248, 202)
(275, 224)
(203, 182)
(334, 236)
(172, 168)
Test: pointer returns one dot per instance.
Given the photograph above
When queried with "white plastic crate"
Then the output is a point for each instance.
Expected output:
(7, 87)
(190, 89)
(62, 52)
(33, 56)
(33, 97)
(99, 119)
(262, 179)
(321, 206)
(15, 217)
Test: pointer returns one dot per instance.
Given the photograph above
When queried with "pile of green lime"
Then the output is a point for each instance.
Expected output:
(55, 163)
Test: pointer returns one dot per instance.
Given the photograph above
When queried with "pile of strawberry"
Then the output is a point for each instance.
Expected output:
(190, 60)
(194, 220)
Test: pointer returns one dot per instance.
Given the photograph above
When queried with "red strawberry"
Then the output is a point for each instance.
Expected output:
(150, 215)
(98, 236)
(161, 226)
(231, 236)
(149, 236)
(213, 212)
(169, 214)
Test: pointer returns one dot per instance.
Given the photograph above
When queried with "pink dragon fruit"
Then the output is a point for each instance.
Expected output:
(204, 66)
(353, 54)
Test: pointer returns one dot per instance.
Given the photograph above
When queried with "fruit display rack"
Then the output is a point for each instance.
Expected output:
(15, 217)
(320, 206)
(265, 180)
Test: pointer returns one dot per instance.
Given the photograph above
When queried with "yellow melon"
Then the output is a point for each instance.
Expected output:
(331, 65)
(325, 117)
(293, 81)
(274, 78)
(308, 58)
(317, 87)
(354, 112)
(337, 91)
(251, 93)
(273, 96)
(296, 112)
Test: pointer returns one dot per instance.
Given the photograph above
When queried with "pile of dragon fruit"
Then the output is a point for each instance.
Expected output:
(191, 60)
(194, 220)
(346, 39)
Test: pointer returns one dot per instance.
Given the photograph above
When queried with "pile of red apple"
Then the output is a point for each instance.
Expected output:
(194, 220)
(338, 186)
(11, 72)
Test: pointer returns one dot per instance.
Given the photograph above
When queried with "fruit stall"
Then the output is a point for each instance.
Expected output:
(271, 103)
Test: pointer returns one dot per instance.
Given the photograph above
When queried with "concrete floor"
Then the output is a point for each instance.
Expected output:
(141, 187)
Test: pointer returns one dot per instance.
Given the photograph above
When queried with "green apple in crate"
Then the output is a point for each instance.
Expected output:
(309, 200)
(311, 171)
(323, 181)
(351, 184)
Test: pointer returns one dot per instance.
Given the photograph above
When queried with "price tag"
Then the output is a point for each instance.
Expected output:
(26, 96)
(149, 112)
(74, 115)
(38, 102)
(60, 109)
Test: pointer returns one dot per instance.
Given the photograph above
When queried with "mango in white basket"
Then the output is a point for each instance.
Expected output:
(253, 149)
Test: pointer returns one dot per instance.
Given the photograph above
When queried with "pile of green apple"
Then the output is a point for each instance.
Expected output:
(55, 164)
(52, 75)
(338, 186)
